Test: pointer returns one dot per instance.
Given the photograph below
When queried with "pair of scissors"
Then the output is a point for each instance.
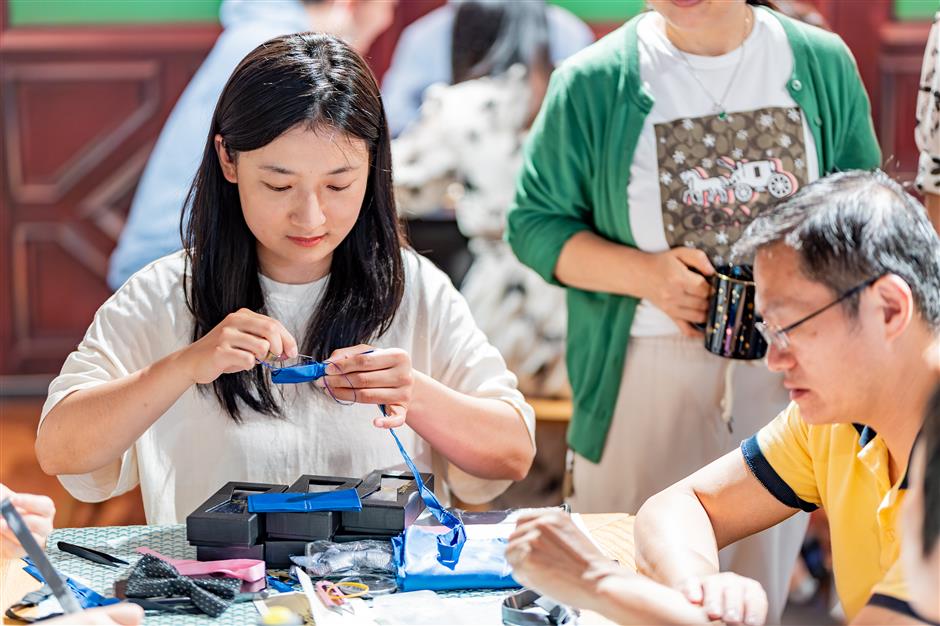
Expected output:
(334, 596)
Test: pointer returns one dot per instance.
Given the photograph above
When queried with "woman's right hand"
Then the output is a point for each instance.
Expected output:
(235, 344)
(679, 286)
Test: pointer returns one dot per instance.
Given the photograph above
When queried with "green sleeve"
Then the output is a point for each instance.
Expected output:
(857, 145)
(552, 201)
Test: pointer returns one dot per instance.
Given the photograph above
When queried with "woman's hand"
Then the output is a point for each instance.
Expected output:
(235, 344)
(37, 512)
(550, 554)
(373, 376)
(678, 285)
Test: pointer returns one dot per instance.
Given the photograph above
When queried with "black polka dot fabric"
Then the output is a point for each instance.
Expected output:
(155, 578)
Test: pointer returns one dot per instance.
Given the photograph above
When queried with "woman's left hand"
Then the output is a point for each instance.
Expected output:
(370, 375)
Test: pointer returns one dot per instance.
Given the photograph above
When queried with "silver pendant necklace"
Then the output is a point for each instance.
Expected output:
(718, 105)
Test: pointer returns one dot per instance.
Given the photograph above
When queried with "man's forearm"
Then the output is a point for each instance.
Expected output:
(674, 538)
(638, 600)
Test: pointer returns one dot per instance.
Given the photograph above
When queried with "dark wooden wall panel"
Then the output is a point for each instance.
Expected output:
(77, 127)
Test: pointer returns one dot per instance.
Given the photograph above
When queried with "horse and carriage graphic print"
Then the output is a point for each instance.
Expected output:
(717, 174)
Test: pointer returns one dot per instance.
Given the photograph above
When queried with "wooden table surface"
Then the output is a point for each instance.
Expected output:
(613, 532)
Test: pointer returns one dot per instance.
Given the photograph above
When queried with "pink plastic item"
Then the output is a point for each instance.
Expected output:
(244, 569)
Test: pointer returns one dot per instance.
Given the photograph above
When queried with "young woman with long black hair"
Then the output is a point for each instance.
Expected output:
(292, 247)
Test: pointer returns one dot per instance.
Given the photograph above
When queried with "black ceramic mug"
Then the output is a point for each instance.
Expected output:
(730, 329)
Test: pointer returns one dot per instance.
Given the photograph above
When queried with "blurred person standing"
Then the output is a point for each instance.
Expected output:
(422, 57)
(153, 224)
(927, 130)
(464, 151)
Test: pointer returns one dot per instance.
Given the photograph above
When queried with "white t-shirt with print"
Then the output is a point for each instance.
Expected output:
(195, 447)
(698, 179)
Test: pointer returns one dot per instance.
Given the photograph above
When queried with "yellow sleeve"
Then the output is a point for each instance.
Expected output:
(779, 457)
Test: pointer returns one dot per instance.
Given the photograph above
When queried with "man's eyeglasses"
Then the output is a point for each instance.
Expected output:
(777, 336)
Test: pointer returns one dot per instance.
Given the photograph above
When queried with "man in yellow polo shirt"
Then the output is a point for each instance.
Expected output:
(848, 283)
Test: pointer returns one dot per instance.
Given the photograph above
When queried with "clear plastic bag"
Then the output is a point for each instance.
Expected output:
(326, 558)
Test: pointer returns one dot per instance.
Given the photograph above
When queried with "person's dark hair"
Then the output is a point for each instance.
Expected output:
(317, 81)
(489, 36)
(852, 226)
(930, 439)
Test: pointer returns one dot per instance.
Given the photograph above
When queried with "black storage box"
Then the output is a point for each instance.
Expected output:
(390, 503)
(343, 536)
(314, 525)
(224, 553)
(224, 520)
(277, 553)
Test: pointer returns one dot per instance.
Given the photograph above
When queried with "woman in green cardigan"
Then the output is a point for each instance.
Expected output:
(653, 150)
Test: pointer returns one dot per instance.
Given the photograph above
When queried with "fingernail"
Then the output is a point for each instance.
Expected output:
(752, 620)
(731, 616)
(713, 609)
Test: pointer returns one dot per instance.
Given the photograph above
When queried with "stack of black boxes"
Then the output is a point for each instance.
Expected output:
(222, 528)
(288, 533)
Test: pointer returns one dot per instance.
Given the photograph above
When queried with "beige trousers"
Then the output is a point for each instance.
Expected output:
(667, 424)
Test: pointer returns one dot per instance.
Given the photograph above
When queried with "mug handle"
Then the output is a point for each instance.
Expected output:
(711, 282)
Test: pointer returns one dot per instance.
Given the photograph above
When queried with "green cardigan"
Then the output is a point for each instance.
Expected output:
(577, 169)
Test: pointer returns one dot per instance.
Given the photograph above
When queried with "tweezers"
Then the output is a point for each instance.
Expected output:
(91, 555)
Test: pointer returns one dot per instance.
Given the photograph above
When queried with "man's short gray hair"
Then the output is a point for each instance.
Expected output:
(852, 226)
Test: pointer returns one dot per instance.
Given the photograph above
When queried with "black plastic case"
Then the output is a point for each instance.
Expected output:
(390, 503)
(342, 536)
(277, 553)
(224, 520)
(314, 525)
(223, 553)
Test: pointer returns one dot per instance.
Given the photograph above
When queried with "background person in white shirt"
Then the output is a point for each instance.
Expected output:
(293, 246)
(927, 128)
(423, 57)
